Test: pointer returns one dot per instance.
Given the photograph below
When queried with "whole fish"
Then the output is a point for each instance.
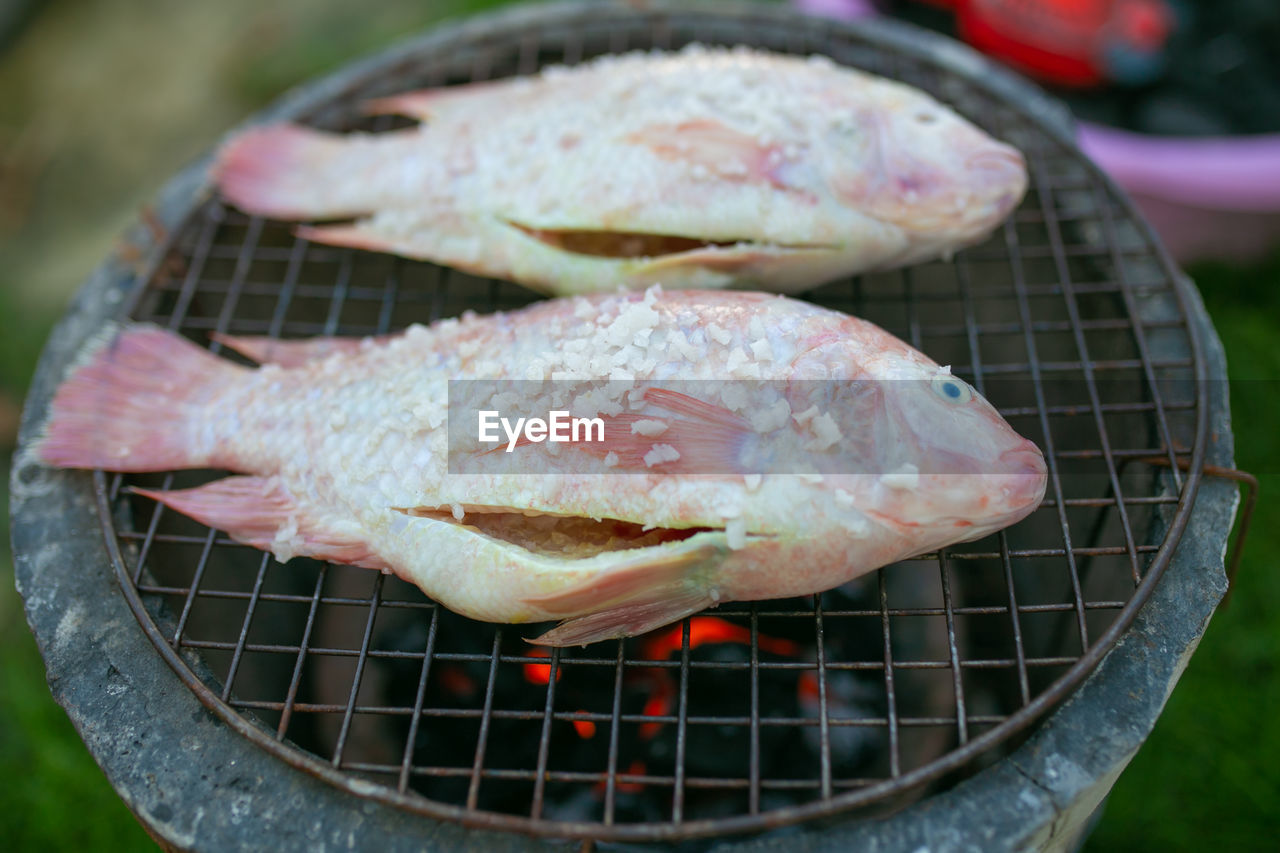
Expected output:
(346, 455)
(705, 168)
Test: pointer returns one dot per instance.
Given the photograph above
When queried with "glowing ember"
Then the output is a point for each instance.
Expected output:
(637, 768)
(457, 682)
(657, 705)
(807, 686)
(711, 629)
(537, 673)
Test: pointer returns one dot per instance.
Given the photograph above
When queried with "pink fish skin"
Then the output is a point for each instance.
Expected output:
(341, 453)
(704, 168)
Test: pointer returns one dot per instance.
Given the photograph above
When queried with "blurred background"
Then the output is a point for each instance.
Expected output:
(102, 100)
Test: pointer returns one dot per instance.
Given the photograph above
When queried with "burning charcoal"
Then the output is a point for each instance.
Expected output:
(850, 696)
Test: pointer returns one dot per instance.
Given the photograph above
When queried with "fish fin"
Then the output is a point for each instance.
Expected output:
(364, 234)
(424, 104)
(708, 437)
(287, 171)
(783, 269)
(420, 104)
(430, 234)
(254, 510)
(734, 260)
(127, 404)
(287, 353)
(727, 153)
(699, 410)
(641, 578)
(628, 620)
(702, 450)
(629, 599)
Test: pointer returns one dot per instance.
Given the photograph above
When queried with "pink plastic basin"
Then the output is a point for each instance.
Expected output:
(1208, 198)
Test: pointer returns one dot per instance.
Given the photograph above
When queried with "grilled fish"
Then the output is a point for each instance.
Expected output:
(706, 168)
(345, 453)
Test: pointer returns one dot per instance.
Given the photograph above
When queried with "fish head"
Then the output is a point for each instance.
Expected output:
(977, 469)
(927, 170)
(931, 450)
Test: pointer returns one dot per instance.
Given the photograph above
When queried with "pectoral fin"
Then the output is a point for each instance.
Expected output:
(626, 620)
(716, 147)
(633, 598)
(706, 438)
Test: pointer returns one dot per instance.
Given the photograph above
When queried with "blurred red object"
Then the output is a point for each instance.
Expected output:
(1073, 43)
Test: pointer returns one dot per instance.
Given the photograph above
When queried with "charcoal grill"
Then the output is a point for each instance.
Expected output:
(326, 703)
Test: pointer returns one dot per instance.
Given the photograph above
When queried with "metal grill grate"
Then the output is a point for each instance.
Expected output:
(1068, 319)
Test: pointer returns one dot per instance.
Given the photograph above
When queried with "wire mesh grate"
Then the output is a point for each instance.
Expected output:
(750, 716)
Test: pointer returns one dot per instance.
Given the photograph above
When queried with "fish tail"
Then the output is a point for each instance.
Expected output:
(130, 403)
(286, 171)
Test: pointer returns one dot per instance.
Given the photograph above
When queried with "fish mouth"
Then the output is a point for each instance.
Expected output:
(1025, 469)
(636, 245)
(563, 536)
(1000, 167)
(1000, 176)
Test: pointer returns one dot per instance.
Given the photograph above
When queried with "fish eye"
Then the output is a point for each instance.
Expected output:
(951, 389)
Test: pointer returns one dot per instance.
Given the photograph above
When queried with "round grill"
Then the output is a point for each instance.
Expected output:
(1069, 319)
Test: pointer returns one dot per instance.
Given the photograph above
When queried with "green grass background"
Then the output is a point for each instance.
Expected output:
(100, 100)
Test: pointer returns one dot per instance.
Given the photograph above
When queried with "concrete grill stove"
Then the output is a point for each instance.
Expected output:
(231, 699)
